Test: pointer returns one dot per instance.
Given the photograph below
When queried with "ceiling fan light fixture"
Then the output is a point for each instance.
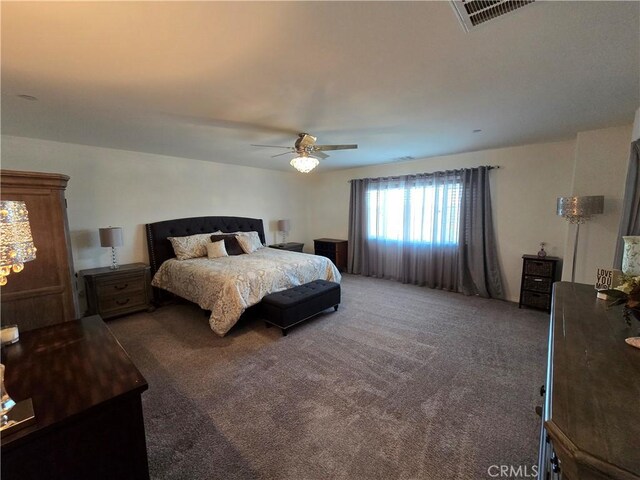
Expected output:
(304, 163)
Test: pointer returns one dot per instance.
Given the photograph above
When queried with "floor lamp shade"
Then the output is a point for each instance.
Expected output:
(580, 209)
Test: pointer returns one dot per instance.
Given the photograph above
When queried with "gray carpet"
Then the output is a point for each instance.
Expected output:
(401, 382)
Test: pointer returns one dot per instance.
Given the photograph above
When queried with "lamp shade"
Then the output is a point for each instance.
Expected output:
(580, 209)
(284, 225)
(111, 237)
(16, 242)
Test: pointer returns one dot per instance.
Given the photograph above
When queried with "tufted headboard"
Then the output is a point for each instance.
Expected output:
(160, 248)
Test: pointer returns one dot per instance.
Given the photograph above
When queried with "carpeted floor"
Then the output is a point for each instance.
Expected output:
(401, 382)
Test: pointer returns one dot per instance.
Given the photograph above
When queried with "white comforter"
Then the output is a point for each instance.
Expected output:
(229, 285)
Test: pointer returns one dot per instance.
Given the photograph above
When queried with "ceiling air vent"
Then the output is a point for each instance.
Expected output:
(475, 12)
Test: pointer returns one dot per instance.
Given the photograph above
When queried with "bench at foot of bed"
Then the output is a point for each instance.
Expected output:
(289, 307)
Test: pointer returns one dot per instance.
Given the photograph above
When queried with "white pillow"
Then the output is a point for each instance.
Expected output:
(216, 250)
(249, 241)
(192, 246)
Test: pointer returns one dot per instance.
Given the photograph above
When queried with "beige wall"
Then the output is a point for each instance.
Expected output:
(129, 189)
(600, 168)
(523, 191)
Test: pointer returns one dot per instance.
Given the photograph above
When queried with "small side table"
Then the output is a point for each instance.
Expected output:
(538, 276)
(291, 246)
(111, 293)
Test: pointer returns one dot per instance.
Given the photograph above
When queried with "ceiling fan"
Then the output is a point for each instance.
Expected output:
(308, 152)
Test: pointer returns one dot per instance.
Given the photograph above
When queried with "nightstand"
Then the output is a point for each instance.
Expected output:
(291, 246)
(111, 293)
(538, 276)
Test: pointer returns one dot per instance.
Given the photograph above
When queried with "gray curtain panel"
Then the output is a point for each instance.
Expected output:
(630, 220)
(479, 271)
(426, 229)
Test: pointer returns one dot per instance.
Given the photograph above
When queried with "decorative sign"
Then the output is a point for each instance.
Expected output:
(608, 278)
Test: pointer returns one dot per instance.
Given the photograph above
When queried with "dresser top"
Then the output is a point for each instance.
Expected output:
(595, 396)
(67, 369)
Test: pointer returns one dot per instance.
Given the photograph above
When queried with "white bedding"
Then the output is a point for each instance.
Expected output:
(229, 285)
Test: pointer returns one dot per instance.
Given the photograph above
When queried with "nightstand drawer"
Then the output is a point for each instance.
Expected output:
(537, 284)
(119, 304)
(123, 285)
(541, 268)
(536, 300)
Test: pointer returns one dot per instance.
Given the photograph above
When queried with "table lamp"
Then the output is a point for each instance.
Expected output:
(112, 237)
(16, 248)
(284, 227)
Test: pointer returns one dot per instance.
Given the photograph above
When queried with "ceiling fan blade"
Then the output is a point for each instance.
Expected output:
(231, 124)
(271, 146)
(280, 154)
(333, 147)
(320, 155)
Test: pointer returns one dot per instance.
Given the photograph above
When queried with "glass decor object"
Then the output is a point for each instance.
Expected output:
(541, 252)
(6, 402)
(631, 256)
(304, 163)
(16, 242)
(112, 237)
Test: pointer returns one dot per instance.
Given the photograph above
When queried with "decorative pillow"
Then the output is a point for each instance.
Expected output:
(193, 246)
(230, 243)
(216, 250)
(248, 244)
(252, 244)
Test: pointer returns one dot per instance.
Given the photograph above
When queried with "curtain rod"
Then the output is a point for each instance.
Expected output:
(489, 167)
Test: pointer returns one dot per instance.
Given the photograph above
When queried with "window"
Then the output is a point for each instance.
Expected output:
(426, 214)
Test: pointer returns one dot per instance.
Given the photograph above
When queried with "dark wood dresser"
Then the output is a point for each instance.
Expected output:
(86, 396)
(538, 275)
(335, 250)
(111, 293)
(44, 293)
(591, 428)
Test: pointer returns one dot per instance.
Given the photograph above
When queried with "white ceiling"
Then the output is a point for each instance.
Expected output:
(205, 80)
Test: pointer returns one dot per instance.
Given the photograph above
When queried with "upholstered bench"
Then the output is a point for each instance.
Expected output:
(289, 307)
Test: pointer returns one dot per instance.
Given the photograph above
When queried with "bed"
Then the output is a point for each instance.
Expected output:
(227, 286)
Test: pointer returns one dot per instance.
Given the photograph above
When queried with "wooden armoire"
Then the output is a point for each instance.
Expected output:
(44, 293)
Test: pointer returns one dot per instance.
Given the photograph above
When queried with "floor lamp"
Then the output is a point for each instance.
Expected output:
(578, 210)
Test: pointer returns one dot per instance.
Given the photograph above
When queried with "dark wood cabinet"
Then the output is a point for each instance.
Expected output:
(111, 293)
(335, 250)
(591, 427)
(44, 293)
(86, 396)
(538, 276)
(291, 246)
